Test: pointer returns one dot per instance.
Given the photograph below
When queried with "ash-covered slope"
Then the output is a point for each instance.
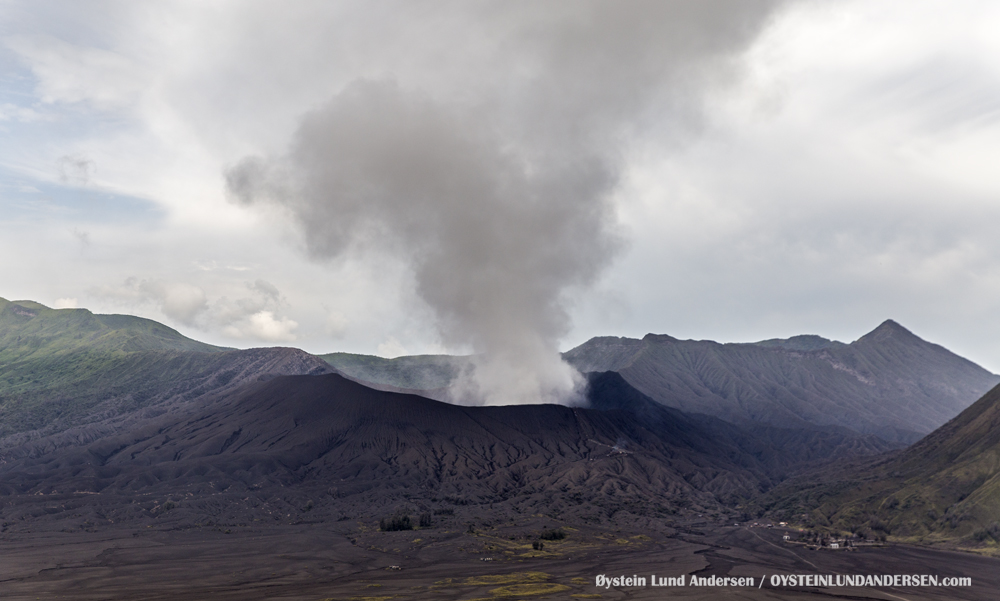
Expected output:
(330, 430)
(779, 450)
(889, 382)
(944, 488)
(343, 448)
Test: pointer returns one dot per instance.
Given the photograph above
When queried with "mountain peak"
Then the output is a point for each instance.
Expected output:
(889, 330)
(891, 325)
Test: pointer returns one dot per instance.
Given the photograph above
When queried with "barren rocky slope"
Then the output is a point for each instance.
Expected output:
(339, 448)
(889, 382)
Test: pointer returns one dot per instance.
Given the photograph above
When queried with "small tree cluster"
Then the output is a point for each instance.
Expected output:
(395, 523)
(425, 520)
(992, 531)
(552, 534)
(879, 526)
(537, 545)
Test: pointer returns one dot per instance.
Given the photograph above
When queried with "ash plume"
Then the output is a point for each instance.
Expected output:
(495, 181)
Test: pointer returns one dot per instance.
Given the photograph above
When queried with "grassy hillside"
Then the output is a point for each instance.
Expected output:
(69, 371)
(944, 488)
(29, 330)
(57, 363)
(415, 372)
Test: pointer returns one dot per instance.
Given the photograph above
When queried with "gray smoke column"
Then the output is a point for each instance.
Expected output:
(498, 192)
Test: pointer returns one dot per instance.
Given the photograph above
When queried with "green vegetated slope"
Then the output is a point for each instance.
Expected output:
(59, 362)
(31, 330)
(944, 488)
(413, 372)
(889, 382)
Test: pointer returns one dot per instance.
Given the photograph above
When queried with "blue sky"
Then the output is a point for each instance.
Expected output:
(832, 168)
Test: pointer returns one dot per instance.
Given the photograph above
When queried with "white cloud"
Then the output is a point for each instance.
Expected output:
(253, 317)
(72, 73)
(390, 348)
(13, 112)
(182, 302)
(65, 303)
(264, 326)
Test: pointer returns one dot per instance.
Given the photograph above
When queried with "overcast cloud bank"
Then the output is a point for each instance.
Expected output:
(815, 168)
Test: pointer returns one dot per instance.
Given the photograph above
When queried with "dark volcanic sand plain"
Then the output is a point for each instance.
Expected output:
(350, 560)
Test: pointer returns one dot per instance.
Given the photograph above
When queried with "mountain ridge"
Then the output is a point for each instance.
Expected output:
(40, 330)
(889, 382)
(63, 368)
